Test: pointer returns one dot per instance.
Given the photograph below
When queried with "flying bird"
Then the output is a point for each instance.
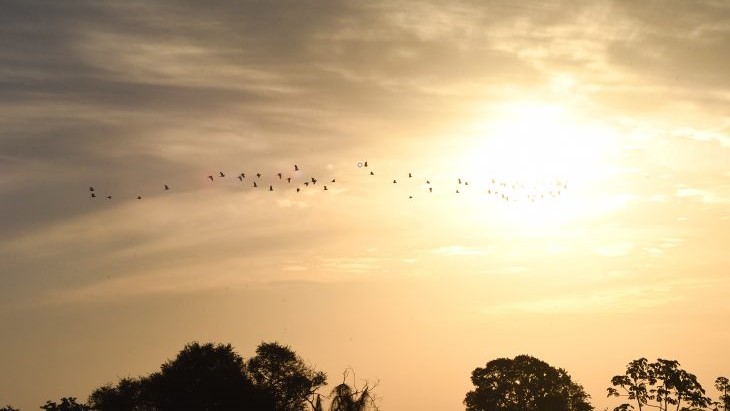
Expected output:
(221, 173)
(288, 179)
(325, 188)
(410, 175)
(297, 189)
(459, 181)
(91, 188)
(167, 187)
(211, 178)
(254, 184)
(296, 167)
(271, 188)
(333, 180)
(258, 175)
(108, 197)
(93, 195)
(279, 174)
(240, 178)
(372, 174)
(430, 189)
(394, 181)
(139, 197)
(243, 175)
(306, 183)
(366, 164)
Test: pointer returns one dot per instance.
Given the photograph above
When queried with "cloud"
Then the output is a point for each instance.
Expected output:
(614, 250)
(457, 250)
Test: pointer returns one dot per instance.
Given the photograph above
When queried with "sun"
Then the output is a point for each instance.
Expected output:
(541, 162)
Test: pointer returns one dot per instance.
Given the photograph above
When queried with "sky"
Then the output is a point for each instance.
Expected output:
(594, 135)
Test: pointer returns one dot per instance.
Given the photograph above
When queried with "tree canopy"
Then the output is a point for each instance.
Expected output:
(278, 370)
(661, 384)
(524, 383)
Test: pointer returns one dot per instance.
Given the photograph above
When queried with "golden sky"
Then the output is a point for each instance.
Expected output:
(620, 105)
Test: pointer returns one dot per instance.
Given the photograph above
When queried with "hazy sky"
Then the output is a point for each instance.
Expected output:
(626, 101)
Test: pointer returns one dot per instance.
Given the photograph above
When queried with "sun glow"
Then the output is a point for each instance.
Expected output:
(543, 165)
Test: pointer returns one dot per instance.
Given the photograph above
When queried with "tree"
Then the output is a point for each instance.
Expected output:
(723, 385)
(207, 377)
(346, 398)
(524, 383)
(277, 370)
(661, 382)
(9, 408)
(128, 395)
(67, 404)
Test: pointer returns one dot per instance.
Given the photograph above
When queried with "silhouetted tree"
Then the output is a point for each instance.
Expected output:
(205, 377)
(723, 385)
(661, 382)
(128, 395)
(279, 371)
(67, 404)
(346, 398)
(9, 408)
(524, 384)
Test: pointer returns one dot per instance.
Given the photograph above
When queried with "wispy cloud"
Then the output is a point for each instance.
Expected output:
(458, 250)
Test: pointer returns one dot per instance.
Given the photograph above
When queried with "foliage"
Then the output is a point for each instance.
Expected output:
(347, 398)
(722, 384)
(660, 384)
(526, 384)
(67, 404)
(9, 408)
(202, 377)
(277, 370)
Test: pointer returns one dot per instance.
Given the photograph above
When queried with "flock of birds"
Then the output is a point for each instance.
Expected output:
(504, 190)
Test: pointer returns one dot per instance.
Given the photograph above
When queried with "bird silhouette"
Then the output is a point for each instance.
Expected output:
(297, 189)
(459, 181)
(394, 181)
(243, 175)
(211, 178)
(296, 167)
(366, 164)
(139, 197)
(93, 195)
(258, 175)
(109, 197)
(279, 174)
(410, 196)
(457, 191)
(333, 180)
(428, 182)
(221, 174)
(167, 187)
(254, 184)
(410, 175)
(91, 188)
(325, 188)
(288, 179)
(306, 183)
(372, 174)
(430, 189)
(271, 188)
(240, 178)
